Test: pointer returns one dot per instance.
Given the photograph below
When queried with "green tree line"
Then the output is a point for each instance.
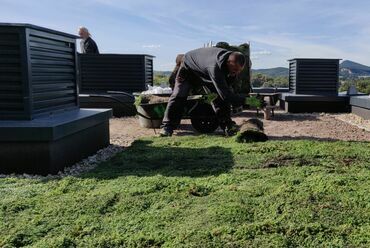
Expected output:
(261, 80)
(160, 79)
(361, 84)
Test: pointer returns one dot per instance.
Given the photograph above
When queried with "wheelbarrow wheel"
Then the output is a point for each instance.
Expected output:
(203, 119)
(204, 124)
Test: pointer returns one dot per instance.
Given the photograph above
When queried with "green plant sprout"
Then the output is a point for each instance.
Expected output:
(253, 101)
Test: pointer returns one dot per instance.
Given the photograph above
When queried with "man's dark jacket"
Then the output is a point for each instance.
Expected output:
(210, 66)
(90, 46)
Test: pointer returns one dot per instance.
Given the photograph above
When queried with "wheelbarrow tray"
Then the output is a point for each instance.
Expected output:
(201, 114)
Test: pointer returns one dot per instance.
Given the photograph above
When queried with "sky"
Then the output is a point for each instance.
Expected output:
(277, 30)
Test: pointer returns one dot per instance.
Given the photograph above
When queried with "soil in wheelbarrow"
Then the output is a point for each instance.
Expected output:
(152, 99)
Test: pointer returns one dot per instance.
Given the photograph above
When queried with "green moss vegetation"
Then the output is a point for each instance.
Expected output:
(202, 191)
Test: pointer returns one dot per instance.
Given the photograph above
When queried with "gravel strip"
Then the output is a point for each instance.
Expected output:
(354, 120)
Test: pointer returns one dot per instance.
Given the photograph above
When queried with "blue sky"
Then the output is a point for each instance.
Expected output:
(277, 30)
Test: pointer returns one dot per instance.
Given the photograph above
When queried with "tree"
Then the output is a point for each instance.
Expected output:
(261, 80)
(160, 79)
(361, 84)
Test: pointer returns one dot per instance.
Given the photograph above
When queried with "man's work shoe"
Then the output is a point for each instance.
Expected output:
(231, 129)
(165, 132)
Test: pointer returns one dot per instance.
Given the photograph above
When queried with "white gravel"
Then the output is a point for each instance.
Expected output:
(78, 168)
(354, 120)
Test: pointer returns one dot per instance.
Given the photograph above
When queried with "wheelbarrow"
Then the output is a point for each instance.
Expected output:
(201, 114)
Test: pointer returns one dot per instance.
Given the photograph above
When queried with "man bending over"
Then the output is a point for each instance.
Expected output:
(210, 67)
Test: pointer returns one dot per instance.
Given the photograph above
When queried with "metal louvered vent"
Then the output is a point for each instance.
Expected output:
(11, 93)
(314, 76)
(292, 75)
(115, 72)
(149, 71)
(53, 72)
(38, 71)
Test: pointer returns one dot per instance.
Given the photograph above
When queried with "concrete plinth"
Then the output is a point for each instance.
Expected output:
(360, 105)
(295, 103)
(121, 105)
(47, 145)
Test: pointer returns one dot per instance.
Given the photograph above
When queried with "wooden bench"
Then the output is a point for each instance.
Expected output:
(269, 109)
(268, 112)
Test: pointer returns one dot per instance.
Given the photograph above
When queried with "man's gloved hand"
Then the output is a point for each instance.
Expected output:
(231, 129)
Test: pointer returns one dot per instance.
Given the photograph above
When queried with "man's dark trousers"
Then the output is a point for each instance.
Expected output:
(176, 104)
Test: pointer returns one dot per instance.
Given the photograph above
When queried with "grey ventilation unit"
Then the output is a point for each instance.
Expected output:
(314, 76)
(115, 72)
(37, 72)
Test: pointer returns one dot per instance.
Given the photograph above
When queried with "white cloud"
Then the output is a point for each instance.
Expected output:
(301, 48)
(236, 27)
(278, 30)
(151, 46)
(262, 52)
(165, 66)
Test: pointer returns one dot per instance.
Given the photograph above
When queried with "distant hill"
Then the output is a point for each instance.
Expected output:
(273, 72)
(164, 73)
(347, 69)
(352, 69)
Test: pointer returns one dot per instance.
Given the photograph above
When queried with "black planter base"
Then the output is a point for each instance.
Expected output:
(314, 103)
(360, 105)
(121, 105)
(48, 145)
